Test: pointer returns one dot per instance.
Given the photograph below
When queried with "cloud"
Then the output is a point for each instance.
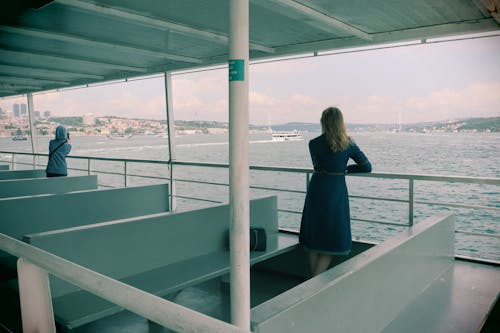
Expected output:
(478, 99)
(295, 107)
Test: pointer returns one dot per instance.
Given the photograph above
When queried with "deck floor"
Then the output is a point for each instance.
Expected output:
(456, 302)
(210, 298)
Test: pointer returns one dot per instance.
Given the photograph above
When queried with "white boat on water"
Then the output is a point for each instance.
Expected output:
(119, 136)
(287, 136)
(411, 283)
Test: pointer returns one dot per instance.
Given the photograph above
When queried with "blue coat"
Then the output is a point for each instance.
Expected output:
(326, 223)
(57, 161)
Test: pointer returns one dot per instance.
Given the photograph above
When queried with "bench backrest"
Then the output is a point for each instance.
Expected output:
(21, 174)
(365, 293)
(55, 185)
(4, 167)
(131, 246)
(21, 216)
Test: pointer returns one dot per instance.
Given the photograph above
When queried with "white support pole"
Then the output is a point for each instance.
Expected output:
(34, 136)
(238, 163)
(171, 137)
(36, 303)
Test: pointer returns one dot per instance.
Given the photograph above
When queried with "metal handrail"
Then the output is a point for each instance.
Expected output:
(149, 306)
(411, 178)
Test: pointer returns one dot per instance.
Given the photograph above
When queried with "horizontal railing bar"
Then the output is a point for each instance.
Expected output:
(107, 186)
(199, 182)
(154, 308)
(472, 233)
(277, 189)
(109, 159)
(289, 211)
(198, 199)
(379, 222)
(375, 198)
(448, 204)
(208, 165)
(149, 177)
(352, 218)
(439, 178)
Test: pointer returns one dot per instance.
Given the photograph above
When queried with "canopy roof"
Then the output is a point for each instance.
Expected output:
(56, 44)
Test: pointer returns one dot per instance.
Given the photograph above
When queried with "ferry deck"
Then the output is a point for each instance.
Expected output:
(413, 282)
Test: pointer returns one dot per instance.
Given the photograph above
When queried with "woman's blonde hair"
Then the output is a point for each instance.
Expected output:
(332, 125)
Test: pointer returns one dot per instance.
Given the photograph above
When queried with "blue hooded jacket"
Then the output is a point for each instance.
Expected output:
(59, 148)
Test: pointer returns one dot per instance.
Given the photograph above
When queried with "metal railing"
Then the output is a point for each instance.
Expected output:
(409, 199)
(37, 313)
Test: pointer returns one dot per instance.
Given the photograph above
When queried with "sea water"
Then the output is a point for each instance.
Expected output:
(449, 154)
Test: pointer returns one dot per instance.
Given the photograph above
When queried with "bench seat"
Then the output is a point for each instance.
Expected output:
(374, 285)
(56, 185)
(80, 307)
(22, 174)
(143, 253)
(73, 210)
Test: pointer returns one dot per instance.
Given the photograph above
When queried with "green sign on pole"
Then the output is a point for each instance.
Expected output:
(236, 70)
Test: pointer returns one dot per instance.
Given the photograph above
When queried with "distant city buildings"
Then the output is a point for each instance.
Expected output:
(23, 110)
(16, 111)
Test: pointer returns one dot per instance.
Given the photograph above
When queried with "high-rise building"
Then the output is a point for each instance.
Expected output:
(15, 110)
(46, 114)
(24, 110)
(36, 114)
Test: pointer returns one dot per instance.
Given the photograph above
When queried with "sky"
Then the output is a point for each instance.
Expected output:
(426, 82)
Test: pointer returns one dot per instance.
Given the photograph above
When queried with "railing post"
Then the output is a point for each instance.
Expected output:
(13, 161)
(410, 201)
(238, 163)
(88, 166)
(308, 179)
(36, 303)
(125, 173)
(170, 137)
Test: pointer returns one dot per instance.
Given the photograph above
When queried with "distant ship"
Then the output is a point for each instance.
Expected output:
(287, 135)
(119, 136)
(19, 137)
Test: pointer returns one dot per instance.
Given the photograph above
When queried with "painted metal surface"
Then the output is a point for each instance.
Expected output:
(21, 174)
(374, 285)
(56, 185)
(103, 40)
(36, 302)
(442, 179)
(238, 164)
(154, 308)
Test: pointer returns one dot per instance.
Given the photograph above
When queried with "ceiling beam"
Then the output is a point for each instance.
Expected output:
(405, 35)
(17, 87)
(154, 22)
(35, 82)
(327, 21)
(8, 91)
(76, 61)
(94, 43)
(44, 73)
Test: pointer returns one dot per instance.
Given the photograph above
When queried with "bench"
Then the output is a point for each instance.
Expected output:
(367, 292)
(161, 254)
(4, 167)
(21, 174)
(55, 185)
(51, 212)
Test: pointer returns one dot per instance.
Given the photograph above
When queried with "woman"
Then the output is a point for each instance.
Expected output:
(325, 228)
(59, 148)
